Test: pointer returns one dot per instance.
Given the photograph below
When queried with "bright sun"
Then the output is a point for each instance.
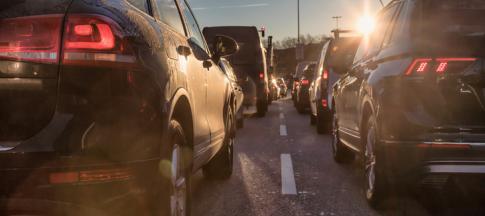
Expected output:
(366, 25)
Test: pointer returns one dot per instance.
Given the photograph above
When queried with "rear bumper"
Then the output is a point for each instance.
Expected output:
(419, 161)
(29, 189)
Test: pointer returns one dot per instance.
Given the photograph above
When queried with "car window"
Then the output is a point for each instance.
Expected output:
(169, 14)
(140, 4)
(373, 43)
(193, 26)
(389, 36)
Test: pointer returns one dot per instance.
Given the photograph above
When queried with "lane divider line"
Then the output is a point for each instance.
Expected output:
(283, 131)
(288, 185)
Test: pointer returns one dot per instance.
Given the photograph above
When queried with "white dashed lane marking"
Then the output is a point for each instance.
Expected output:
(283, 131)
(288, 186)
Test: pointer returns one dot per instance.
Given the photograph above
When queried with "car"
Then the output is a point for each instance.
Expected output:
(237, 91)
(249, 64)
(411, 105)
(105, 106)
(274, 90)
(297, 76)
(282, 84)
(336, 55)
(302, 98)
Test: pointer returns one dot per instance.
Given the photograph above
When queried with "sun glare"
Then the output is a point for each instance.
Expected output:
(366, 25)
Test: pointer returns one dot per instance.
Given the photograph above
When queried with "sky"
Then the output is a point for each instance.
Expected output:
(279, 17)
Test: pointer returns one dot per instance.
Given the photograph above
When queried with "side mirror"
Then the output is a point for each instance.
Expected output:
(224, 46)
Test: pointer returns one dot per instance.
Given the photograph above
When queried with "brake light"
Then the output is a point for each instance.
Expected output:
(324, 103)
(418, 66)
(325, 74)
(31, 38)
(261, 75)
(305, 82)
(95, 40)
(438, 65)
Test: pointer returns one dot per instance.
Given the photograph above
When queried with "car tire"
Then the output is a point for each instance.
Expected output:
(175, 168)
(341, 154)
(240, 122)
(323, 125)
(300, 108)
(375, 184)
(313, 119)
(262, 108)
(221, 166)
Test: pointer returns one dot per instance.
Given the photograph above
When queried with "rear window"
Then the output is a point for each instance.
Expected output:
(451, 26)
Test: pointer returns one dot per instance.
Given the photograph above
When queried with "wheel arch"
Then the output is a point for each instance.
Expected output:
(181, 109)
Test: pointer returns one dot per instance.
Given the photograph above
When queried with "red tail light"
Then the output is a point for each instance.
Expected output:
(261, 75)
(324, 103)
(438, 65)
(305, 82)
(32, 38)
(95, 40)
(325, 74)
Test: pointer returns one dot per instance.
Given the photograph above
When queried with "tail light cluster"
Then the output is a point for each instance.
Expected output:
(34, 38)
(305, 82)
(88, 40)
(422, 66)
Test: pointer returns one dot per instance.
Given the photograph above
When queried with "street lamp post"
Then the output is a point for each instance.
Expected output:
(298, 12)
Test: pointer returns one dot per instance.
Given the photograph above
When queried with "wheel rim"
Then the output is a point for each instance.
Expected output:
(178, 198)
(334, 134)
(370, 163)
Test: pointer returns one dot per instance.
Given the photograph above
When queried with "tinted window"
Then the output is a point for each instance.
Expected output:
(192, 26)
(447, 27)
(169, 14)
(140, 4)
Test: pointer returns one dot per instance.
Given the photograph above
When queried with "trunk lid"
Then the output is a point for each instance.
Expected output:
(30, 44)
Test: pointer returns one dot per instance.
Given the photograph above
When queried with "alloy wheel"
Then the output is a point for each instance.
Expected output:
(178, 197)
(370, 163)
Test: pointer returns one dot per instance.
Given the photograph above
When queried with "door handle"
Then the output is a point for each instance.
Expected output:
(184, 50)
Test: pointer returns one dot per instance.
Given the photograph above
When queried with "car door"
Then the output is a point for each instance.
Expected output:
(187, 70)
(216, 86)
(355, 78)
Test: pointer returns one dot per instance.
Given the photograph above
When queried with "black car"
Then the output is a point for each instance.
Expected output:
(104, 107)
(295, 81)
(336, 55)
(302, 94)
(249, 63)
(412, 104)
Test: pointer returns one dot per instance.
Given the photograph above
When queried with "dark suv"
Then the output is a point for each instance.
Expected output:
(104, 107)
(413, 103)
(249, 63)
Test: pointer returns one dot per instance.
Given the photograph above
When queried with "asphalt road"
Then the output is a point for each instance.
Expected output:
(262, 176)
